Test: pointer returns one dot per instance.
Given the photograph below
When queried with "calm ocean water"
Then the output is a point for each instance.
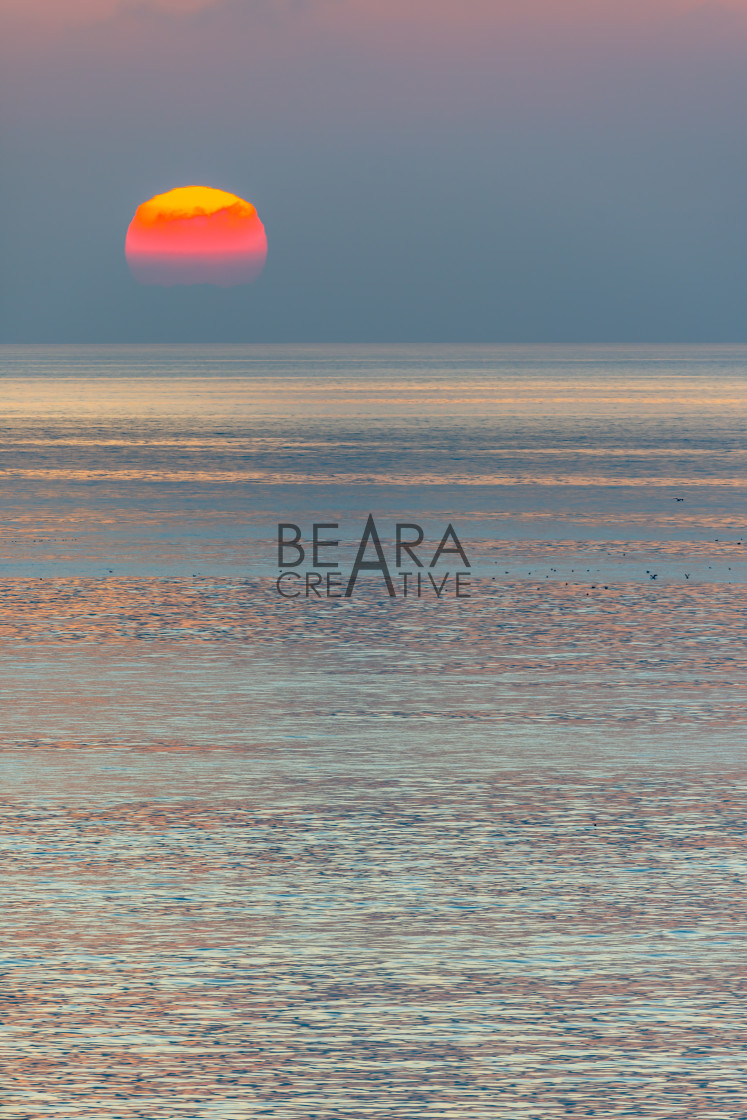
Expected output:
(373, 857)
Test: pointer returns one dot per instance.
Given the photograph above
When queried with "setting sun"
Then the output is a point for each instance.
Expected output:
(196, 235)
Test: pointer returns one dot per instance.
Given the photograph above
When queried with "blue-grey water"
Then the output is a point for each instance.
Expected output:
(373, 856)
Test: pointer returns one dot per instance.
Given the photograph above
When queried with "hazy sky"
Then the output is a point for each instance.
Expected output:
(518, 170)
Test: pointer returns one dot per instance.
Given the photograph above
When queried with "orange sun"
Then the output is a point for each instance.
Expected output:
(196, 235)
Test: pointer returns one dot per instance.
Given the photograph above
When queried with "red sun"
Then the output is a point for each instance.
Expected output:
(196, 235)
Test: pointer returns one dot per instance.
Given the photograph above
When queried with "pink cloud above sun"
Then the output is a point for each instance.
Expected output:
(196, 235)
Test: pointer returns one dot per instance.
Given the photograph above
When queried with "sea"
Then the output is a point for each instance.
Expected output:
(270, 849)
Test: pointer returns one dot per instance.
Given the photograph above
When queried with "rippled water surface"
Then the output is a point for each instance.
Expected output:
(373, 857)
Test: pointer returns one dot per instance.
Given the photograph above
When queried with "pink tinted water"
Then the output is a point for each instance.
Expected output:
(375, 857)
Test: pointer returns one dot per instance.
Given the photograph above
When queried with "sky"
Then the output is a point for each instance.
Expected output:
(426, 170)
